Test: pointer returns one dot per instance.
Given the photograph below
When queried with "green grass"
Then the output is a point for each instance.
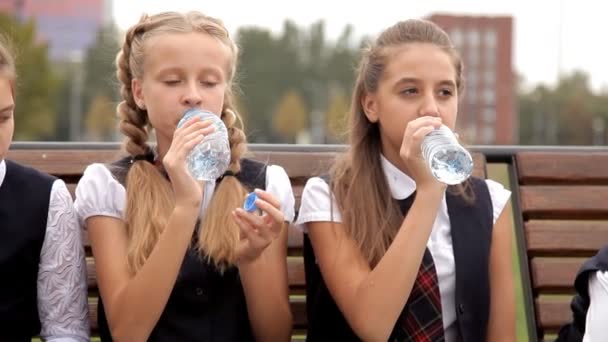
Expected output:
(499, 173)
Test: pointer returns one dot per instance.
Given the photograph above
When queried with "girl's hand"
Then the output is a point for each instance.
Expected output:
(258, 232)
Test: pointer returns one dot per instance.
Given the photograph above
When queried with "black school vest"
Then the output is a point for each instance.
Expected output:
(575, 331)
(24, 206)
(471, 230)
(204, 304)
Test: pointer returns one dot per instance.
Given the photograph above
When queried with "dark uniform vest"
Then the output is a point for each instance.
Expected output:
(471, 229)
(204, 304)
(24, 207)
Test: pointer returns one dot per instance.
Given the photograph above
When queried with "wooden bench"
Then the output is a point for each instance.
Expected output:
(560, 202)
(563, 201)
(68, 161)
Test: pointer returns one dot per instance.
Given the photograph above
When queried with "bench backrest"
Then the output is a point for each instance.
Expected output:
(300, 165)
(563, 198)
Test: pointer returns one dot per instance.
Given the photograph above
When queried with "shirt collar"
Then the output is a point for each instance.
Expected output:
(2, 171)
(400, 184)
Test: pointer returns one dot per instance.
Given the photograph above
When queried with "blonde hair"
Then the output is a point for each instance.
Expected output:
(370, 215)
(149, 195)
(7, 62)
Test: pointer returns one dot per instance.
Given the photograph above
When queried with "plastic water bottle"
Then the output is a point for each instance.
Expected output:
(210, 158)
(448, 161)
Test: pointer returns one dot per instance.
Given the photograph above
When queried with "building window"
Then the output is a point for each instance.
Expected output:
(489, 96)
(489, 38)
(472, 79)
(472, 57)
(473, 38)
(489, 78)
(489, 115)
(490, 56)
(471, 96)
(457, 37)
(488, 135)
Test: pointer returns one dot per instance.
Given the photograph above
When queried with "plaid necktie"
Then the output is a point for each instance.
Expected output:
(421, 320)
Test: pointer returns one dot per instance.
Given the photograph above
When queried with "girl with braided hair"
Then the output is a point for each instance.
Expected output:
(178, 260)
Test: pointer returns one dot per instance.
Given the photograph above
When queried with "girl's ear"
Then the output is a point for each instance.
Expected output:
(138, 94)
(369, 105)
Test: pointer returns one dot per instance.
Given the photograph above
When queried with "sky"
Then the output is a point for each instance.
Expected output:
(549, 38)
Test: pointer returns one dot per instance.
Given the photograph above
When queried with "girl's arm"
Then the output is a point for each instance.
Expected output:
(371, 300)
(501, 325)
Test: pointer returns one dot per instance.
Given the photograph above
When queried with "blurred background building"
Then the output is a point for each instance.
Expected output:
(68, 27)
(487, 109)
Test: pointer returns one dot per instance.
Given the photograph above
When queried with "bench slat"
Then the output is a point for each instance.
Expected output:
(554, 275)
(553, 312)
(562, 168)
(566, 238)
(564, 202)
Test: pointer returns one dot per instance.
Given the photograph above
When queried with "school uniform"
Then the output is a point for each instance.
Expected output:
(459, 245)
(42, 262)
(204, 304)
(590, 304)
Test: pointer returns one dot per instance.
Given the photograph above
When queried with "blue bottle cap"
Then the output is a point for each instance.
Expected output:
(249, 204)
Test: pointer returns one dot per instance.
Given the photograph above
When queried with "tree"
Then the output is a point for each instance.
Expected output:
(335, 118)
(567, 114)
(300, 59)
(290, 116)
(99, 74)
(36, 82)
(101, 119)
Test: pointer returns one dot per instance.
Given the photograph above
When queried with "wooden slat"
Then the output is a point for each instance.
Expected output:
(62, 162)
(298, 164)
(73, 162)
(574, 238)
(562, 168)
(554, 275)
(553, 312)
(564, 202)
(297, 303)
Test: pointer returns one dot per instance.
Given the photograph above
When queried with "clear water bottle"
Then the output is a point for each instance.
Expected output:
(210, 158)
(448, 161)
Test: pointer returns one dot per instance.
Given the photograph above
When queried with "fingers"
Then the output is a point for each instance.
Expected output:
(268, 197)
(425, 123)
(191, 129)
(269, 205)
(253, 241)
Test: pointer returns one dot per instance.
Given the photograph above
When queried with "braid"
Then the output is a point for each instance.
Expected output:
(236, 136)
(133, 120)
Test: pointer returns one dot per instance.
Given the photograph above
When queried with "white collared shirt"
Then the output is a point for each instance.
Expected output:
(597, 314)
(99, 194)
(315, 206)
(62, 283)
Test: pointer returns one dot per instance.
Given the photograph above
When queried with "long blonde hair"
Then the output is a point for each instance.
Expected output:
(149, 194)
(370, 215)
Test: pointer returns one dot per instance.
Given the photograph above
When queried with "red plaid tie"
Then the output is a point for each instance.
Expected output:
(421, 320)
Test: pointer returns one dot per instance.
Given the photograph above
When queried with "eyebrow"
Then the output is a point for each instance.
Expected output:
(7, 108)
(416, 80)
(177, 69)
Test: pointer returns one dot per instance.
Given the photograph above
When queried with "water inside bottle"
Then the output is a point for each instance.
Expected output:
(448, 161)
(451, 166)
(210, 158)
